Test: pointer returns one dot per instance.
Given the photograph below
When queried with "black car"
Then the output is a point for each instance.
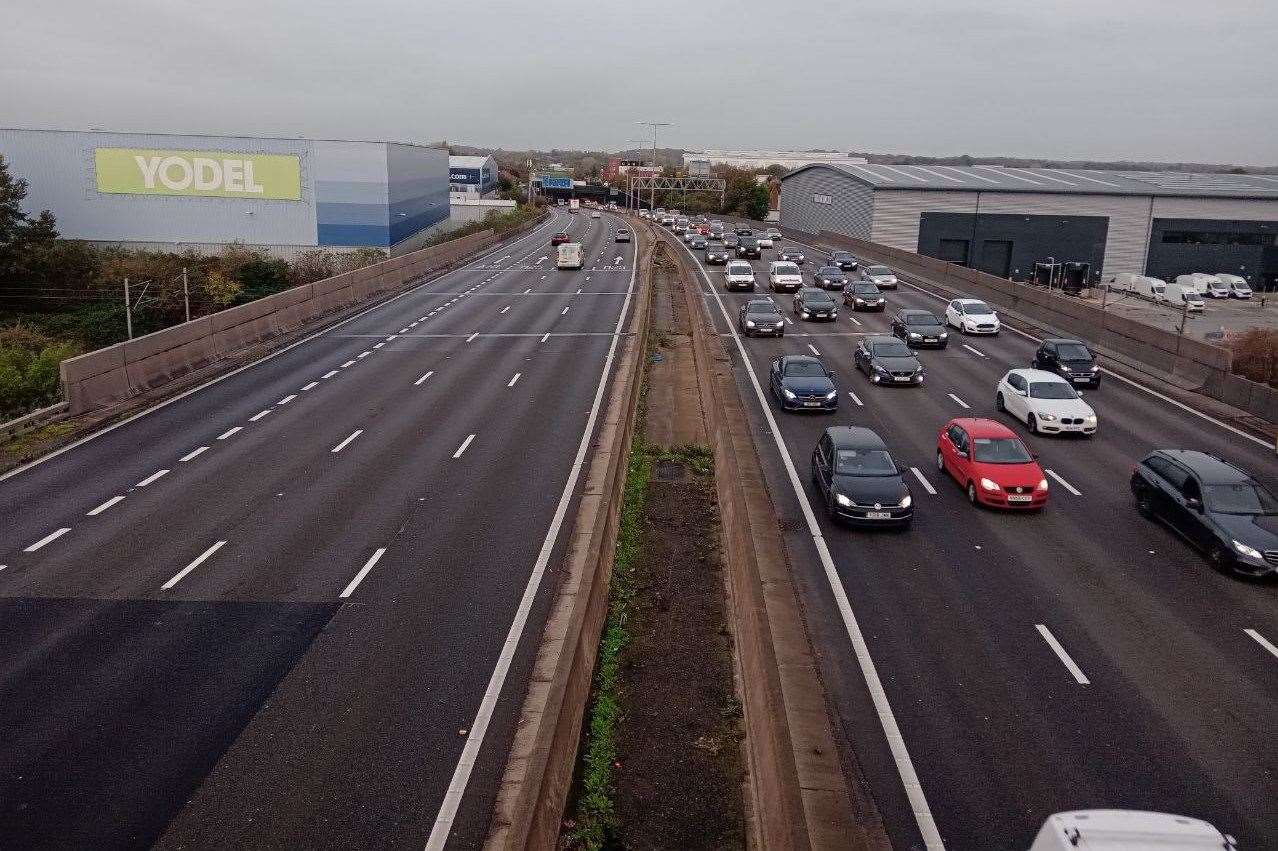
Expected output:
(1069, 359)
(829, 278)
(1218, 508)
(920, 328)
(812, 303)
(716, 255)
(731, 241)
(761, 317)
(845, 261)
(749, 247)
(698, 243)
(859, 480)
(802, 383)
(862, 295)
(887, 360)
(744, 231)
(792, 254)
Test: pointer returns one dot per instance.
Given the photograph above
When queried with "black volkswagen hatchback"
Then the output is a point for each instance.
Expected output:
(858, 479)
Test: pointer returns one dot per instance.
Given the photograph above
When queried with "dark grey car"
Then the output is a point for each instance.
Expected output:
(859, 480)
(761, 317)
(887, 360)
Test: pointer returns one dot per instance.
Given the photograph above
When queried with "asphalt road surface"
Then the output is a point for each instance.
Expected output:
(975, 623)
(279, 612)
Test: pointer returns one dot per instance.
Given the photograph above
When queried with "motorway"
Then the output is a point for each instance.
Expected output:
(988, 669)
(296, 608)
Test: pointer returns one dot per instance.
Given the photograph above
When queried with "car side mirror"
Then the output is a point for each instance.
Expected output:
(1194, 504)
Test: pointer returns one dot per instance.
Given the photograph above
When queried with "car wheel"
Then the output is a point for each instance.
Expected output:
(998, 404)
(1219, 559)
(940, 462)
(829, 505)
(1031, 422)
(943, 345)
(971, 493)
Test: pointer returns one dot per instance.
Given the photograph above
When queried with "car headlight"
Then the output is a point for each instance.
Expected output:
(1089, 420)
(834, 313)
(859, 300)
(1046, 417)
(749, 323)
(905, 501)
(804, 314)
(781, 324)
(842, 500)
(787, 392)
(1065, 368)
(831, 395)
(914, 335)
(944, 335)
(1250, 552)
(1042, 484)
(989, 485)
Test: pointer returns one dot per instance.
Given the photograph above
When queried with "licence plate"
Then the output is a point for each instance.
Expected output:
(1081, 380)
(878, 515)
(1019, 497)
(902, 378)
(812, 404)
(929, 339)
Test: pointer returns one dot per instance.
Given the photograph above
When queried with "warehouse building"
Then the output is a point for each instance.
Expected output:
(759, 160)
(176, 192)
(1003, 220)
(472, 175)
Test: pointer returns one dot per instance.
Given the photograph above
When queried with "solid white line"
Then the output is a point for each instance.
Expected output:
(977, 352)
(52, 536)
(1064, 657)
(200, 559)
(1062, 482)
(310, 386)
(562, 312)
(513, 380)
(104, 506)
(193, 453)
(814, 349)
(478, 729)
(329, 374)
(259, 415)
(423, 378)
(289, 398)
(472, 337)
(856, 398)
(545, 337)
(961, 403)
(927, 486)
(230, 432)
(339, 447)
(1262, 641)
(504, 309)
(463, 446)
(151, 478)
(363, 571)
(891, 730)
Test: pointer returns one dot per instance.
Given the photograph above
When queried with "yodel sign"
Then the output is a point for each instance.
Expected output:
(216, 174)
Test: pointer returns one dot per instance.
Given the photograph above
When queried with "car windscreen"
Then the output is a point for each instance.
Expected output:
(864, 462)
(1073, 351)
(804, 369)
(1000, 450)
(740, 269)
(1247, 497)
(1051, 390)
(865, 289)
(977, 308)
(894, 349)
(921, 319)
(840, 255)
(785, 269)
(818, 296)
(761, 308)
(830, 271)
(878, 270)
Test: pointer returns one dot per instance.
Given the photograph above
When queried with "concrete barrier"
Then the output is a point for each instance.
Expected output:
(116, 373)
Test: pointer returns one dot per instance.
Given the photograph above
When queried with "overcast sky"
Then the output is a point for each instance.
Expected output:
(1107, 79)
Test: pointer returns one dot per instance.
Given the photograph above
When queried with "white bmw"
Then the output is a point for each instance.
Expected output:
(1045, 402)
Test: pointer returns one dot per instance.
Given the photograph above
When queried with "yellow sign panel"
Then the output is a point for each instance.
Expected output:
(215, 174)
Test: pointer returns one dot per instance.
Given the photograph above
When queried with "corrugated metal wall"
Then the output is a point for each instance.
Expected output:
(850, 209)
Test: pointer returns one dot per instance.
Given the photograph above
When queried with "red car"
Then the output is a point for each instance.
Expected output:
(991, 463)
(559, 238)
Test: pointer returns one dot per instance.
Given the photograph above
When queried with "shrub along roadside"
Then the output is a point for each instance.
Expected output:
(29, 376)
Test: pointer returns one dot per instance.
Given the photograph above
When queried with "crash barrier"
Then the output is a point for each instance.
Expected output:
(1193, 364)
(119, 372)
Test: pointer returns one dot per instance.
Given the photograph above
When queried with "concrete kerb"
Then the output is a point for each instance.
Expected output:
(539, 770)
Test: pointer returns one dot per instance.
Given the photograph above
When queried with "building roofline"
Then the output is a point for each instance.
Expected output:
(102, 131)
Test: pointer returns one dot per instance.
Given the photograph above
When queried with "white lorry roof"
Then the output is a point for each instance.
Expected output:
(1128, 830)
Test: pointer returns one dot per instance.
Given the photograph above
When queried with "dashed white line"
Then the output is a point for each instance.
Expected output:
(199, 560)
(975, 351)
(259, 415)
(513, 380)
(1062, 482)
(363, 354)
(289, 398)
(1262, 641)
(856, 398)
(960, 402)
(379, 345)
(472, 337)
(329, 374)
(504, 309)
(545, 337)
(855, 321)
(527, 291)
(463, 446)
(1062, 655)
(230, 432)
(52, 536)
(339, 447)
(104, 506)
(419, 381)
(403, 330)
(158, 474)
(363, 571)
(194, 453)
(789, 321)
(578, 290)
(562, 312)
(814, 350)
(927, 486)
(310, 386)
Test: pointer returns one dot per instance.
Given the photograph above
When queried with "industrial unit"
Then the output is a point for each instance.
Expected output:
(180, 191)
(758, 160)
(1003, 220)
(472, 175)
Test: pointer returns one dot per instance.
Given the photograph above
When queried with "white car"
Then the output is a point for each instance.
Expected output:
(972, 316)
(784, 276)
(881, 276)
(595, 214)
(1045, 402)
(739, 275)
(1118, 829)
(764, 240)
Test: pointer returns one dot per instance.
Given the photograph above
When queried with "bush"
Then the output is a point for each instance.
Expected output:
(29, 377)
(1256, 355)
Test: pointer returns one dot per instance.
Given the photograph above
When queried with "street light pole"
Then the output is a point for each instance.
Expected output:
(652, 198)
(186, 294)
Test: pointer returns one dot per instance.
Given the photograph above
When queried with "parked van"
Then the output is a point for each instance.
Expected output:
(1181, 295)
(570, 256)
(1208, 286)
(1238, 286)
(1154, 289)
(1115, 830)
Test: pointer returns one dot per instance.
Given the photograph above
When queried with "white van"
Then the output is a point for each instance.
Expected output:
(1123, 830)
(570, 256)
(1238, 286)
(1208, 286)
(1154, 289)
(1180, 295)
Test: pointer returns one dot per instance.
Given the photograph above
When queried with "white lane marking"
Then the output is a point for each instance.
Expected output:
(545, 337)
(414, 324)
(199, 560)
(329, 374)
(230, 432)
(478, 729)
(513, 380)
(339, 447)
(472, 337)
(856, 398)
(814, 349)
(259, 415)
(927, 486)
(543, 277)
(158, 474)
(855, 321)
(311, 386)
(527, 291)
(1262, 641)
(562, 312)
(960, 402)
(363, 354)
(1062, 482)
(1062, 655)
(363, 571)
(194, 453)
(289, 398)
(401, 330)
(462, 448)
(578, 290)
(504, 309)
(419, 381)
(52, 536)
(977, 352)
(379, 345)
(896, 741)
(104, 506)
(789, 321)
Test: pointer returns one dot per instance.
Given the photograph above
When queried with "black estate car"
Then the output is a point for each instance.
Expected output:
(829, 278)
(801, 382)
(749, 247)
(863, 295)
(920, 328)
(716, 255)
(1069, 359)
(792, 254)
(845, 260)
(731, 241)
(861, 484)
(887, 360)
(1218, 508)
(812, 303)
(762, 317)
